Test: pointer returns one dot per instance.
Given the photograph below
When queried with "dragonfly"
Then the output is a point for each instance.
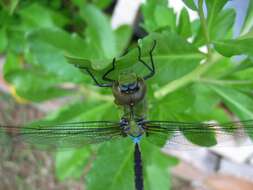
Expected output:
(129, 93)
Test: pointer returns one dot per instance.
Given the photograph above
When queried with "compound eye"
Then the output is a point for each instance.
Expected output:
(133, 86)
(123, 87)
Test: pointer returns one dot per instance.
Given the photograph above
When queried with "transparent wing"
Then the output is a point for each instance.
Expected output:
(67, 135)
(200, 133)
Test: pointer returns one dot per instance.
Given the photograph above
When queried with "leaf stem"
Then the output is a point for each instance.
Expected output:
(226, 82)
(188, 78)
(200, 70)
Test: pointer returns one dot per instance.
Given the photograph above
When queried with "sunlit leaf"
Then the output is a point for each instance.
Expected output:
(238, 46)
(158, 15)
(241, 104)
(114, 160)
(156, 165)
(99, 32)
(3, 39)
(191, 4)
(248, 23)
(184, 25)
(219, 22)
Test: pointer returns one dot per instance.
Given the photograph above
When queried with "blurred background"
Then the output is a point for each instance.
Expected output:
(218, 168)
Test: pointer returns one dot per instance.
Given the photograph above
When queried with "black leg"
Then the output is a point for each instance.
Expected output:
(110, 70)
(152, 68)
(93, 77)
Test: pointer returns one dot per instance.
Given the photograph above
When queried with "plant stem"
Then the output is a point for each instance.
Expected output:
(226, 82)
(188, 78)
(200, 70)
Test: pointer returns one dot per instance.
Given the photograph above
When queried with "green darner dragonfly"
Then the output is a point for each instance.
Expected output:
(129, 92)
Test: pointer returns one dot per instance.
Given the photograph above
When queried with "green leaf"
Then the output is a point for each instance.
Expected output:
(234, 75)
(168, 108)
(48, 47)
(205, 138)
(223, 25)
(177, 102)
(113, 167)
(156, 167)
(71, 163)
(239, 46)
(90, 110)
(248, 22)
(67, 43)
(32, 19)
(244, 72)
(184, 25)
(99, 32)
(205, 101)
(157, 15)
(213, 9)
(31, 16)
(239, 103)
(10, 5)
(16, 40)
(204, 106)
(173, 57)
(102, 4)
(79, 3)
(14, 4)
(219, 22)
(165, 16)
(32, 84)
(3, 39)
(191, 4)
(37, 90)
(123, 36)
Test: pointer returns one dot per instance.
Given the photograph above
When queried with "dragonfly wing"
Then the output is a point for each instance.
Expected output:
(67, 135)
(200, 133)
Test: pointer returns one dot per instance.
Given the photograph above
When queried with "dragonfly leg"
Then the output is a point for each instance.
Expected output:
(94, 78)
(109, 71)
(152, 67)
(124, 125)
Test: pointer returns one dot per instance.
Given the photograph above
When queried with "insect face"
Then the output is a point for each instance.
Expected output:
(130, 92)
(129, 88)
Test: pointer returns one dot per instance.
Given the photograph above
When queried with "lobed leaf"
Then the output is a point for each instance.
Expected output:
(191, 4)
(184, 25)
(238, 46)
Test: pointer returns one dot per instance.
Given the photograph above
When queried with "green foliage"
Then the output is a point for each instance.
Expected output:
(43, 40)
(120, 155)
(248, 23)
(236, 46)
(156, 175)
(157, 15)
(191, 4)
(184, 25)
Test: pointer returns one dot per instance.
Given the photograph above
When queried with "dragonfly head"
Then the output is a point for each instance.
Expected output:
(129, 89)
(128, 83)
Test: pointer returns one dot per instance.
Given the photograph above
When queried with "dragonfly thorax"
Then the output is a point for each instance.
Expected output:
(133, 128)
(129, 93)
